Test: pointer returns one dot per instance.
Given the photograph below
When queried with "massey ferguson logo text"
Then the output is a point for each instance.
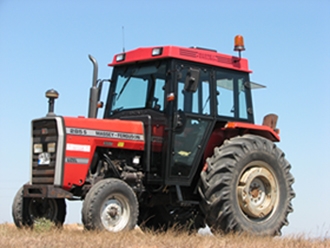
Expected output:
(105, 134)
(127, 136)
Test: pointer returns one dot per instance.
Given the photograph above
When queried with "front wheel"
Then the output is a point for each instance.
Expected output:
(247, 187)
(26, 211)
(110, 205)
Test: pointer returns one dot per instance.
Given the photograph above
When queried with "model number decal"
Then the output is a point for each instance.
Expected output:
(76, 131)
(104, 134)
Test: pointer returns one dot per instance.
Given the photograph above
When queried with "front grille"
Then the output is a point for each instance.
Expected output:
(44, 132)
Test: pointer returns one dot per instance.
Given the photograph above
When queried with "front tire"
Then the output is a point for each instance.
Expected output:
(26, 211)
(247, 187)
(110, 205)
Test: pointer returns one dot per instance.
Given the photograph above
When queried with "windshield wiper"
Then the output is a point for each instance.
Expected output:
(125, 84)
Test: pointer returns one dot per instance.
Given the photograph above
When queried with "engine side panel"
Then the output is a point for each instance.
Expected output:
(84, 135)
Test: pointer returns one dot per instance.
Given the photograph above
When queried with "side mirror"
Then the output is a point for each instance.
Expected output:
(192, 79)
(99, 86)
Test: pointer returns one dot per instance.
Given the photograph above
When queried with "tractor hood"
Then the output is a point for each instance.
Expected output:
(105, 133)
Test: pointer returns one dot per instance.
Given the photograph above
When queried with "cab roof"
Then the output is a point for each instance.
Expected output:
(193, 54)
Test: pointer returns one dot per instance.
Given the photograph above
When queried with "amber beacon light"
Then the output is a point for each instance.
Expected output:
(239, 44)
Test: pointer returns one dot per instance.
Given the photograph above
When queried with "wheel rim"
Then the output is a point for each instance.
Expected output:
(42, 208)
(115, 213)
(258, 191)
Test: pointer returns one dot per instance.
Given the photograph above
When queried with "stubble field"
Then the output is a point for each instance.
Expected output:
(75, 236)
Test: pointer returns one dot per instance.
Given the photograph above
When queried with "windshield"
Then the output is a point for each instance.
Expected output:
(138, 87)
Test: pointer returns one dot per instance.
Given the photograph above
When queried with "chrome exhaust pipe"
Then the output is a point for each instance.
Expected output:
(94, 90)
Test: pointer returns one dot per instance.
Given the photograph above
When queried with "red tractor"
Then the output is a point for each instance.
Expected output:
(177, 145)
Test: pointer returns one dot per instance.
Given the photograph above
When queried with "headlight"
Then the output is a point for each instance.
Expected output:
(51, 147)
(37, 148)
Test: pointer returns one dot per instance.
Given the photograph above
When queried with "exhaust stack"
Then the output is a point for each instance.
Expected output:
(94, 91)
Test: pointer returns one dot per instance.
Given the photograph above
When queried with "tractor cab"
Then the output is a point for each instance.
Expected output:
(182, 95)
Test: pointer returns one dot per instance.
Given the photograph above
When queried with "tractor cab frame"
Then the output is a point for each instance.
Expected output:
(184, 105)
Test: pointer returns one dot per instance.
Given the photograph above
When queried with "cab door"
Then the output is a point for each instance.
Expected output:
(192, 123)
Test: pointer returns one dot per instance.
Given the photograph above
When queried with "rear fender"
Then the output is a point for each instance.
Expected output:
(232, 129)
(261, 130)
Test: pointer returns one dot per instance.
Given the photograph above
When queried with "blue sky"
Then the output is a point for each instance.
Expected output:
(45, 44)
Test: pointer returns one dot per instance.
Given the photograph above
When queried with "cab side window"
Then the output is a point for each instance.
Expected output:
(231, 97)
(225, 94)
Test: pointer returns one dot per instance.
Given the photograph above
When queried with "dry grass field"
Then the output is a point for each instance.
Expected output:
(75, 236)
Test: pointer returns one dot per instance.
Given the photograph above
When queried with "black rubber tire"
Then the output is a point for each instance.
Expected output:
(26, 210)
(120, 198)
(221, 186)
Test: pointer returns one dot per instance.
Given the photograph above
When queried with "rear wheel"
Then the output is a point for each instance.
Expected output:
(26, 211)
(247, 187)
(110, 205)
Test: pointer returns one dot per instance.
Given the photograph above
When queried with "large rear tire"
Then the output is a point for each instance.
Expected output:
(26, 211)
(110, 205)
(247, 187)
